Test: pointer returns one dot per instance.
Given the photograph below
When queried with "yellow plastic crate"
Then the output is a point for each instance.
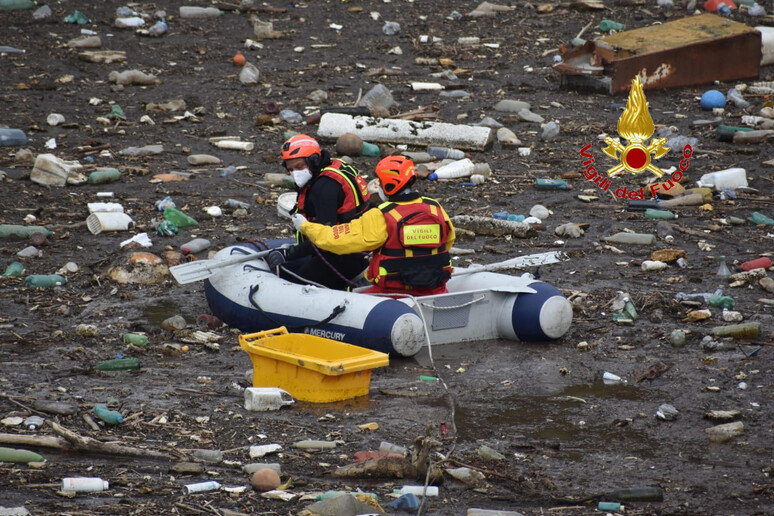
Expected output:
(310, 368)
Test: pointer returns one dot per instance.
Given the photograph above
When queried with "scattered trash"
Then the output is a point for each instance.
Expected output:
(261, 399)
(84, 484)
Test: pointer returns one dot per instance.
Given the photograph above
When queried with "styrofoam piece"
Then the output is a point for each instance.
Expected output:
(388, 130)
(767, 44)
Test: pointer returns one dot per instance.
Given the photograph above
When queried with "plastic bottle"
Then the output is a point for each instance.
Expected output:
(391, 28)
(119, 364)
(44, 280)
(419, 490)
(14, 5)
(158, 29)
(33, 422)
(84, 484)
(757, 218)
(447, 152)
(261, 399)
(650, 213)
(233, 203)
(131, 22)
(730, 178)
(665, 231)
(631, 238)
(202, 487)
(608, 25)
(369, 149)
(758, 263)
(290, 116)
(610, 506)
(550, 130)
(110, 417)
(552, 184)
(14, 269)
(194, 246)
(747, 330)
(312, 444)
(455, 169)
(736, 97)
(208, 455)
(187, 11)
(178, 218)
(12, 137)
(378, 97)
(19, 456)
(15, 230)
(104, 175)
(135, 339)
(722, 271)
(725, 302)
(719, 6)
(504, 215)
(386, 447)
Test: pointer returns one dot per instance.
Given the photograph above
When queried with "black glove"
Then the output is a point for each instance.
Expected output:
(276, 258)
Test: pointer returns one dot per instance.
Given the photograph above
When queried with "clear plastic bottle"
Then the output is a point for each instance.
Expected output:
(419, 490)
(12, 137)
(391, 28)
(187, 11)
(446, 152)
(722, 271)
(378, 97)
(158, 29)
(631, 238)
(456, 169)
(33, 422)
(550, 130)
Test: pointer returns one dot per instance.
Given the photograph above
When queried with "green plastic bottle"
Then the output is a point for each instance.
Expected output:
(119, 364)
(13, 270)
(650, 213)
(552, 184)
(178, 218)
(44, 280)
(749, 330)
(759, 219)
(15, 5)
(21, 456)
(726, 302)
(369, 149)
(104, 175)
(110, 417)
(14, 230)
(608, 25)
(725, 133)
(428, 378)
(135, 339)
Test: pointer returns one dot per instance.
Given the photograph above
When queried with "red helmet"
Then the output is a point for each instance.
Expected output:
(395, 173)
(300, 146)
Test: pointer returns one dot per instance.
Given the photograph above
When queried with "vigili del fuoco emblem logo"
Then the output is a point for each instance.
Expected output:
(636, 156)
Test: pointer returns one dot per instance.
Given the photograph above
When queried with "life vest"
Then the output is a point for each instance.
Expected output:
(414, 254)
(352, 184)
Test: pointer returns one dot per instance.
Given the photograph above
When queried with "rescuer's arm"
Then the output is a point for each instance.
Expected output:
(366, 233)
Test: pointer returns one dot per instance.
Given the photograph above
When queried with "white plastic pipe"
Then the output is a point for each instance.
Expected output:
(388, 130)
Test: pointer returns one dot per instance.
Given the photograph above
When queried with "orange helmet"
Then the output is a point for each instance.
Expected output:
(395, 173)
(300, 146)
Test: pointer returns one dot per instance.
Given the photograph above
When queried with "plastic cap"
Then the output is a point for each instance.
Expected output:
(433, 176)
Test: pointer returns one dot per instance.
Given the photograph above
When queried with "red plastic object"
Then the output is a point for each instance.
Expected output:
(713, 6)
(756, 264)
(210, 321)
(444, 430)
(271, 107)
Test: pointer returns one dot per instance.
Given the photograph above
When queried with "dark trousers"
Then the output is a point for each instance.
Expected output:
(314, 268)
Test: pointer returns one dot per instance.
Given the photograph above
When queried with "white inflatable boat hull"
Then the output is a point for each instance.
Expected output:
(479, 306)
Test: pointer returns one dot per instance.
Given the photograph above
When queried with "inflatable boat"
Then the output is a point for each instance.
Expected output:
(480, 305)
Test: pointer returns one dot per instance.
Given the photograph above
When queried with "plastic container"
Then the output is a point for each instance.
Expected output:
(22, 232)
(33, 422)
(369, 149)
(378, 97)
(550, 131)
(447, 152)
(44, 280)
(310, 368)
(454, 170)
(608, 25)
(757, 218)
(135, 339)
(187, 11)
(84, 484)
(104, 175)
(201, 487)
(110, 417)
(730, 178)
(195, 246)
(158, 29)
(386, 447)
(719, 6)
(178, 218)
(108, 221)
(725, 302)
(758, 263)
(261, 399)
(722, 271)
(119, 364)
(749, 330)
(665, 231)
(552, 184)
(14, 269)
(767, 44)
(419, 490)
(650, 213)
(12, 137)
(52, 171)
(631, 238)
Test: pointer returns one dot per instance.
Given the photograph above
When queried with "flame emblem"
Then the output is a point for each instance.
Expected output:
(635, 126)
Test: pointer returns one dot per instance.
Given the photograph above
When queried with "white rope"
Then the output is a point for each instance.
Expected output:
(463, 305)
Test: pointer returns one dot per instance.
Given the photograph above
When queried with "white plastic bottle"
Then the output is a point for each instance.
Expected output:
(189, 11)
(419, 490)
(728, 178)
(84, 484)
(202, 487)
(455, 169)
(260, 399)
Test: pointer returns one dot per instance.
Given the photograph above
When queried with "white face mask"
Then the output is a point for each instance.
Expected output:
(301, 177)
(382, 195)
